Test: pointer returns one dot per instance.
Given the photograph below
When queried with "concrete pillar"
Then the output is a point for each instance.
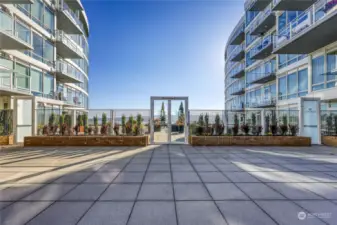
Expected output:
(263, 122)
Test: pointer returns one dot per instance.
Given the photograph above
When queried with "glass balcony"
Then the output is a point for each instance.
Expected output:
(310, 31)
(13, 39)
(237, 71)
(68, 21)
(66, 47)
(238, 34)
(262, 102)
(264, 21)
(67, 73)
(292, 5)
(237, 88)
(238, 53)
(263, 49)
(238, 107)
(256, 5)
(13, 83)
(74, 4)
(264, 74)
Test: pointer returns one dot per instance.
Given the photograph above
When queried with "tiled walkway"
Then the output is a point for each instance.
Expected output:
(164, 185)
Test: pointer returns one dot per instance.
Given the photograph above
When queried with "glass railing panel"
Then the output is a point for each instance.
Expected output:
(64, 38)
(261, 17)
(264, 43)
(5, 80)
(73, 15)
(6, 23)
(21, 81)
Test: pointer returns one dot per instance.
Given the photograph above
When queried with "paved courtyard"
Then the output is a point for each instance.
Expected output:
(168, 185)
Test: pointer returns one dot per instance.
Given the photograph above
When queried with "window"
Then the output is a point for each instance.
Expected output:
(303, 82)
(332, 70)
(48, 19)
(48, 85)
(282, 88)
(38, 47)
(37, 11)
(36, 83)
(23, 32)
(48, 52)
(21, 76)
(286, 60)
(318, 73)
(282, 21)
(292, 85)
(250, 15)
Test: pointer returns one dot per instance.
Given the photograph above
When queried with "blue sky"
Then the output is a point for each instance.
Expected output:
(140, 49)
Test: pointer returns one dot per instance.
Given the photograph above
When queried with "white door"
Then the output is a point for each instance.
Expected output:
(169, 120)
(310, 113)
(23, 119)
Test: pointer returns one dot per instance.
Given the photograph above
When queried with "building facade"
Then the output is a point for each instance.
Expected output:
(44, 56)
(281, 51)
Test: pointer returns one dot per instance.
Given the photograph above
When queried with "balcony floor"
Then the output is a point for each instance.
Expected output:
(259, 5)
(64, 78)
(238, 39)
(66, 52)
(240, 92)
(311, 39)
(240, 74)
(293, 5)
(265, 79)
(13, 92)
(240, 56)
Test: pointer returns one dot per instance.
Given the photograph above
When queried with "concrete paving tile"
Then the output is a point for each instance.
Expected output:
(21, 212)
(146, 213)
(243, 212)
(121, 192)
(240, 177)
(205, 168)
(324, 210)
(228, 167)
(4, 204)
(50, 192)
(136, 168)
(182, 168)
(286, 212)
(321, 189)
(107, 213)
(65, 213)
(293, 191)
(259, 191)
(158, 177)
(159, 168)
(18, 191)
(187, 177)
(199, 213)
(213, 177)
(199, 161)
(190, 191)
(225, 191)
(106, 177)
(89, 192)
(129, 177)
(156, 192)
(73, 178)
(319, 176)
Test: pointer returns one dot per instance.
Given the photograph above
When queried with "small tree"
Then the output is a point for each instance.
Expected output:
(254, 128)
(201, 120)
(51, 119)
(267, 121)
(85, 119)
(95, 125)
(162, 114)
(335, 123)
(236, 125)
(123, 124)
(284, 126)
(138, 126)
(104, 119)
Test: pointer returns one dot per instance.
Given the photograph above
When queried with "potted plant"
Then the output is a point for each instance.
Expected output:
(259, 130)
(63, 128)
(45, 130)
(273, 129)
(199, 130)
(128, 128)
(157, 125)
(254, 127)
(123, 124)
(90, 130)
(39, 129)
(267, 120)
(86, 130)
(80, 123)
(104, 129)
(139, 125)
(284, 126)
(76, 129)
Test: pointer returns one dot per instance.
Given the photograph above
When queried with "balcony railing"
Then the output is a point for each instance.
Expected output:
(237, 88)
(238, 53)
(256, 5)
(238, 107)
(260, 50)
(267, 71)
(262, 102)
(15, 81)
(21, 37)
(312, 16)
(237, 69)
(257, 28)
(238, 31)
(66, 9)
(70, 43)
(68, 69)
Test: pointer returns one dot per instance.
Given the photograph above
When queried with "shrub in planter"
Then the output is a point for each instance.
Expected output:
(273, 129)
(90, 130)
(293, 129)
(39, 129)
(96, 125)
(335, 123)
(258, 130)
(199, 130)
(104, 129)
(116, 129)
(245, 128)
(76, 129)
(45, 130)
(63, 128)
(86, 130)
(123, 124)
(235, 130)
(284, 129)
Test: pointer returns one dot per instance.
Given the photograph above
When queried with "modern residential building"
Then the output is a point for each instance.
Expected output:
(44, 58)
(280, 52)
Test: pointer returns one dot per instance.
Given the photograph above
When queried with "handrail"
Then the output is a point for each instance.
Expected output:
(236, 69)
(68, 69)
(261, 45)
(304, 21)
(266, 70)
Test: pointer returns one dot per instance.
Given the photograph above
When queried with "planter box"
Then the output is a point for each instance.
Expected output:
(86, 141)
(249, 141)
(7, 140)
(329, 140)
